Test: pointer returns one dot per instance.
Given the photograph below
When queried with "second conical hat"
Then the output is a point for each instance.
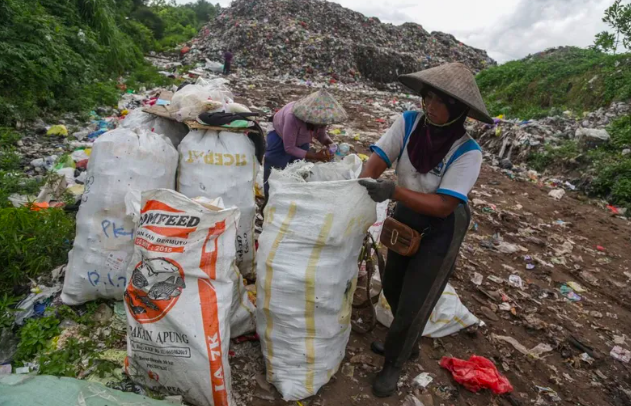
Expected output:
(319, 108)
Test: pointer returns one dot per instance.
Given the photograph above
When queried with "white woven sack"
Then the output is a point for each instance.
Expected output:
(222, 164)
(179, 297)
(170, 128)
(121, 160)
(307, 272)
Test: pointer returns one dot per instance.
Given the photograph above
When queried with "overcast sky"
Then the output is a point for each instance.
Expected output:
(506, 29)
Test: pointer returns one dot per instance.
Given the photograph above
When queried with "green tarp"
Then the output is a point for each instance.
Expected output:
(45, 390)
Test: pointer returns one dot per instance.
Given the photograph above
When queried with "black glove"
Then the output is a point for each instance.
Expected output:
(379, 190)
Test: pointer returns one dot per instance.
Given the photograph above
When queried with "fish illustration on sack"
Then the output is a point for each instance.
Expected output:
(154, 288)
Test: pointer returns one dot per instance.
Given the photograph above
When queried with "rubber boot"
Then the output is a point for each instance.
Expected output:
(385, 383)
(378, 348)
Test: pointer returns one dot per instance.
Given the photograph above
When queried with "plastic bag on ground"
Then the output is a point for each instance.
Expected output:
(46, 390)
(179, 297)
(477, 373)
(121, 160)
(223, 164)
(307, 272)
(171, 129)
(448, 317)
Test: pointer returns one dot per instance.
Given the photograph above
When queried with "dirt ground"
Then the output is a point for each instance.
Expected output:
(571, 240)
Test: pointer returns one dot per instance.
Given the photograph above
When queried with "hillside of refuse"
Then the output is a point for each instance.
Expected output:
(311, 38)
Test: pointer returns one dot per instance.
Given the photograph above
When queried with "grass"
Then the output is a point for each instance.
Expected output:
(32, 243)
(553, 155)
(563, 79)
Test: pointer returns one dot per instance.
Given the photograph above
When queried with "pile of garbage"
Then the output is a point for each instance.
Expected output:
(311, 38)
(509, 143)
(515, 139)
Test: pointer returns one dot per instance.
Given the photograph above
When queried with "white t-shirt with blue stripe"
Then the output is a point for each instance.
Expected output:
(455, 175)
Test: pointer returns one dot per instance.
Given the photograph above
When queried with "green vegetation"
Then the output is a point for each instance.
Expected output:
(552, 155)
(618, 17)
(67, 55)
(32, 243)
(35, 336)
(170, 25)
(554, 81)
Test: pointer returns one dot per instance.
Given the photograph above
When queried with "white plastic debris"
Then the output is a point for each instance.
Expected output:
(477, 279)
(621, 354)
(515, 280)
(422, 380)
(557, 194)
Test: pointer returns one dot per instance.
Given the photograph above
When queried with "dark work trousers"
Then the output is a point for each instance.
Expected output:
(413, 285)
(226, 68)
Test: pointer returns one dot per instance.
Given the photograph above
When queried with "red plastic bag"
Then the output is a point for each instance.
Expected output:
(477, 373)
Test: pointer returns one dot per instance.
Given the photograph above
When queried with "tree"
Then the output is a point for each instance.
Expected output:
(618, 16)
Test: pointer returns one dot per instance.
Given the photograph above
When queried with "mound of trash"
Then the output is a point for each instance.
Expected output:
(311, 38)
(512, 141)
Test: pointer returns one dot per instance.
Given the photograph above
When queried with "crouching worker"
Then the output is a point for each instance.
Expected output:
(295, 127)
(437, 165)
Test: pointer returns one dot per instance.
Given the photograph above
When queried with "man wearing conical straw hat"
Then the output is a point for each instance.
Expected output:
(296, 126)
(437, 165)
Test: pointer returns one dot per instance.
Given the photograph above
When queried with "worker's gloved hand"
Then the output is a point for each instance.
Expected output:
(379, 190)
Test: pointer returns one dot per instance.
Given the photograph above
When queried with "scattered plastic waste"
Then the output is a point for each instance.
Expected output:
(549, 392)
(621, 354)
(58, 129)
(477, 279)
(35, 303)
(569, 293)
(422, 380)
(536, 352)
(477, 373)
(576, 287)
(515, 280)
(557, 194)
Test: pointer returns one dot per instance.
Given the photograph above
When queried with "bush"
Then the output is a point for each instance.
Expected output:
(32, 243)
(620, 131)
(553, 156)
(559, 79)
(51, 50)
(34, 337)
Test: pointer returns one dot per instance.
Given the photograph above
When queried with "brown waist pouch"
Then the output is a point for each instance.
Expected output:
(400, 238)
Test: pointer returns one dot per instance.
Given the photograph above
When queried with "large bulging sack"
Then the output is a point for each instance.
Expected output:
(171, 129)
(179, 297)
(205, 95)
(307, 271)
(121, 160)
(223, 164)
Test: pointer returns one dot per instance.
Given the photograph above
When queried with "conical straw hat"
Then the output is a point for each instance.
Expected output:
(319, 108)
(455, 80)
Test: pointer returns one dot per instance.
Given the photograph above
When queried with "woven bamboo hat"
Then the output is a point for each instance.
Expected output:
(455, 80)
(319, 108)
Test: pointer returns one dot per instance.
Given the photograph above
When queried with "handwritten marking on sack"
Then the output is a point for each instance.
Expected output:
(95, 277)
(86, 191)
(116, 232)
(216, 158)
(242, 245)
